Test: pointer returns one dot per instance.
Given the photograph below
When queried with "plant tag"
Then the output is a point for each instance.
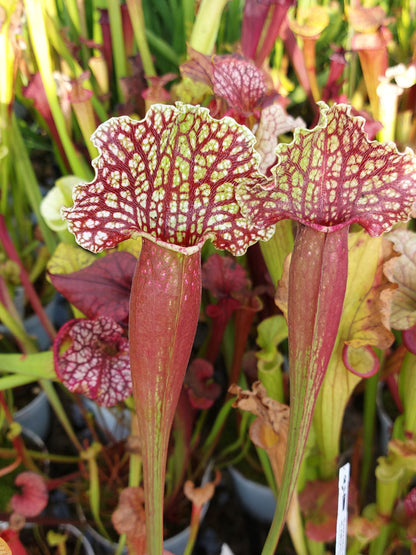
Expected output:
(342, 516)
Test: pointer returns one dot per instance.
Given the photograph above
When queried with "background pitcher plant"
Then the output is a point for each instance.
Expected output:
(175, 179)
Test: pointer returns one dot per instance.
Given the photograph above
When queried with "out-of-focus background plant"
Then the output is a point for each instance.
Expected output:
(65, 68)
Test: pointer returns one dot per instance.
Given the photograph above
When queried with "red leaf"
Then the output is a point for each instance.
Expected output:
(254, 21)
(156, 92)
(235, 79)
(198, 67)
(164, 311)
(223, 276)
(239, 82)
(409, 339)
(33, 497)
(36, 91)
(260, 27)
(91, 358)
(202, 390)
(410, 504)
(319, 501)
(11, 537)
(176, 177)
(101, 289)
(332, 176)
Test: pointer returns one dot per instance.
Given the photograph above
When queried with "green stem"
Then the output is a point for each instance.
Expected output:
(4, 154)
(407, 390)
(74, 13)
(357, 546)
(162, 47)
(12, 381)
(188, 10)
(17, 330)
(8, 453)
(207, 22)
(90, 455)
(370, 394)
(137, 19)
(389, 478)
(7, 62)
(135, 460)
(379, 544)
(27, 178)
(84, 113)
(267, 469)
(315, 547)
(119, 53)
(36, 365)
(60, 412)
(277, 248)
(24, 278)
(194, 527)
(38, 36)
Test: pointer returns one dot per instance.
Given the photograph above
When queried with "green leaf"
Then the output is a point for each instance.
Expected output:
(271, 332)
(69, 258)
(37, 365)
(58, 196)
(332, 176)
(178, 176)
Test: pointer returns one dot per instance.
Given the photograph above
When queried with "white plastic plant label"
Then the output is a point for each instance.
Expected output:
(342, 515)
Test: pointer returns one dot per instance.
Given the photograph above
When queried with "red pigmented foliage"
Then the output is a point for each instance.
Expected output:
(101, 289)
(198, 67)
(333, 85)
(238, 81)
(261, 24)
(33, 497)
(227, 281)
(76, 92)
(223, 276)
(36, 91)
(332, 176)
(371, 126)
(319, 501)
(410, 504)
(157, 92)
(92, 358)
(409, 339)
(11, 537)
(202, 390)
(410, 512)
(175, 177)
